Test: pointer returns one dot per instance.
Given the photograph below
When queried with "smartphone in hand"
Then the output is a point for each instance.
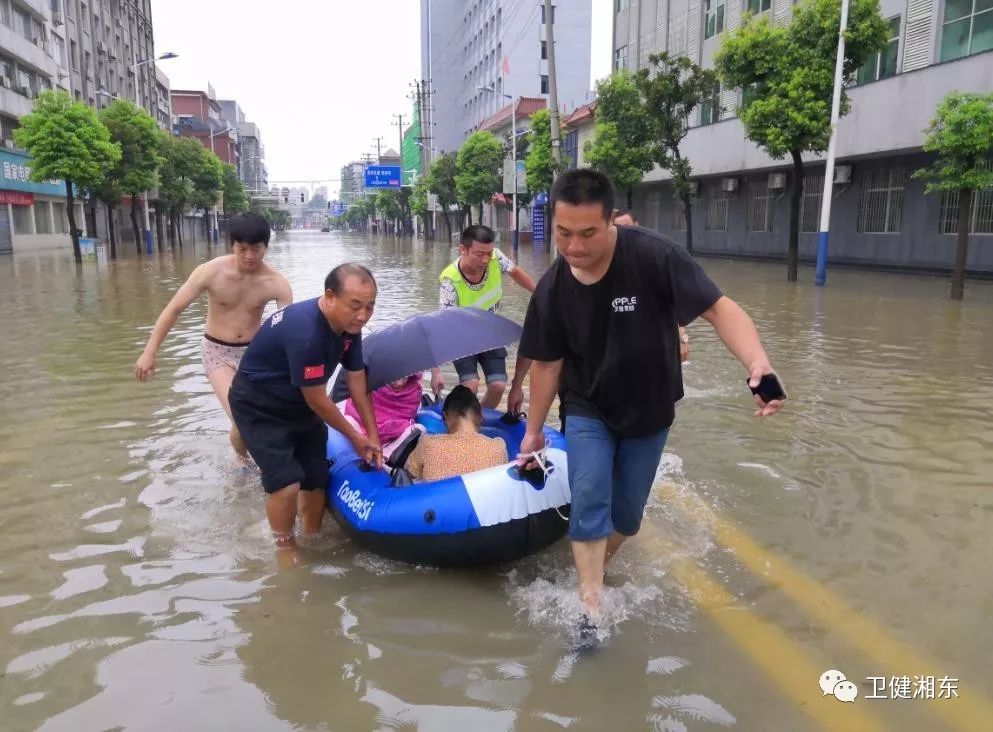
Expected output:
(770, 388)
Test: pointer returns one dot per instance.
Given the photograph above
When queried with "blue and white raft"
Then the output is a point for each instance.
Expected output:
(493, 515)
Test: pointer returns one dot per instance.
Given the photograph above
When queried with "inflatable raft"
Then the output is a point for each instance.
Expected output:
(489, 516)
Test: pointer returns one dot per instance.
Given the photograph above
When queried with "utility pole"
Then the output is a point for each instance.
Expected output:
(553, 98)
(379, 149)
(399, 125)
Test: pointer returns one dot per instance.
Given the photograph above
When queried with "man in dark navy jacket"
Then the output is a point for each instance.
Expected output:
(280, 403)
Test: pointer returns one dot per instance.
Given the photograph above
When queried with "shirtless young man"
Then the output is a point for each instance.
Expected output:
(238, 286)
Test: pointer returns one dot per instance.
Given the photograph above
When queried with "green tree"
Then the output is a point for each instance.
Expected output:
(181, 158)
(66, 140)
(136, 133)
(961, 136)
(622, 139)
(672, 88)
(419, 202)
(441, 182)
(479, 163)
(235, 198)
(208, 181)
(539, 164)
(788, 74)
(388, 205)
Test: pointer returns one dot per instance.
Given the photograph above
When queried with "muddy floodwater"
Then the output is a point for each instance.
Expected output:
(853, 532)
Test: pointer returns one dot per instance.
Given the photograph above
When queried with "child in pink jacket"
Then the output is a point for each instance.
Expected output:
(395, 406)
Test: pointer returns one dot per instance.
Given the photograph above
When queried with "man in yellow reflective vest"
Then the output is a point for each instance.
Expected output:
(474, 281)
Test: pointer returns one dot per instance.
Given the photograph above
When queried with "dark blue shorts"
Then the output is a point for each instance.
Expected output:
(610, 478)
(494, 364)
(290, 445)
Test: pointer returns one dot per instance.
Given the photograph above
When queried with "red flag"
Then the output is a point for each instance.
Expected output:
(506, 66)
(313, 372)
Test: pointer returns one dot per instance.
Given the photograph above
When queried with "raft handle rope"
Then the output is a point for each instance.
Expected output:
(546, 467)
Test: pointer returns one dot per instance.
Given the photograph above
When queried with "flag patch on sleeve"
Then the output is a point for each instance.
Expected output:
(313, 372)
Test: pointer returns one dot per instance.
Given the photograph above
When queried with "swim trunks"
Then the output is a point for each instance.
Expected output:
(215, 353)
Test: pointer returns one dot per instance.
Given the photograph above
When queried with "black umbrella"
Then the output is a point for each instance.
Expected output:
(424, 341)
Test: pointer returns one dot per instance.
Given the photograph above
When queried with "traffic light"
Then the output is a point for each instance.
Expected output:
(329, 205)
(286, 199)
(301, 196)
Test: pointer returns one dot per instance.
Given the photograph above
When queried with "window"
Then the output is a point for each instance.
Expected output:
(22, 24)
(717, 210)
(713, 18)
(544, 84)
(760, 205)
(883, 64)
(59, 216)
(23, 216)
(758, 6)
(710, 108)
(41, 222)
(967, 28)
(60, 51)
(74, 55)
(980, 219)
(810, 204)
(881, 202)
(621, 58)
(622, 5)
(4, 13)
(543, 14)
(678, 215)
(544, 50)
(7, 127)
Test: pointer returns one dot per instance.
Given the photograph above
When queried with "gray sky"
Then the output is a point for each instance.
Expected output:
(320, 78)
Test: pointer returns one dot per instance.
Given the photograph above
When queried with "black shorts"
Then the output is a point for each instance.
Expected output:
(289, 444)
(494, 365)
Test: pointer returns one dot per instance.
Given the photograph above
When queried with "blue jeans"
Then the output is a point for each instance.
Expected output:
(610, 478)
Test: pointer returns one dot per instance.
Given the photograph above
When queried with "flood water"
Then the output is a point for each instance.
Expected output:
(139, 588)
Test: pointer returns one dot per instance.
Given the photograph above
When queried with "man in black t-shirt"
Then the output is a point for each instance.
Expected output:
(601, 329)
(279, 397)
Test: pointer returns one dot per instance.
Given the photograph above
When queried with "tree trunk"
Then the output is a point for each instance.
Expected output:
(134, 223)
(172, 228)
(688, 213)
(179, 227)
(91, 220)
(796, 198)
(630, 196)
(446, 216)
(111, 232)
(965, 214)
(73, 231)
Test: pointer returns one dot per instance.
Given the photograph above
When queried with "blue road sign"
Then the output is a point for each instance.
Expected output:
(382, 176)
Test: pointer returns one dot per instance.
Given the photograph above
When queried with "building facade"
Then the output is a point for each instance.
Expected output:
(199, 115)
(95, 50)
(470, 45)
(880, 215)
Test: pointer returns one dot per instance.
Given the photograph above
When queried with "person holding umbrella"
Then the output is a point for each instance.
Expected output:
(474, 281)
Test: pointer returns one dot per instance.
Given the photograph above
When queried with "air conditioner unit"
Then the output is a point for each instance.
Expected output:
(843, 174)
(112, 54)
(729, 185)
(5, 81)
(777, 181)
(57, 18)
(25, 90)
(101, 47)
(37, 41)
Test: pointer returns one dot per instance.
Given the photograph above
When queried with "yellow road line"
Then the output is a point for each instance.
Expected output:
(780, 657)
(970, 711)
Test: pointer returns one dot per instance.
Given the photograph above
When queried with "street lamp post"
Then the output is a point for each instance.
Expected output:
(515, 236)
(135, 64)
(216, 236)
(413, 182)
